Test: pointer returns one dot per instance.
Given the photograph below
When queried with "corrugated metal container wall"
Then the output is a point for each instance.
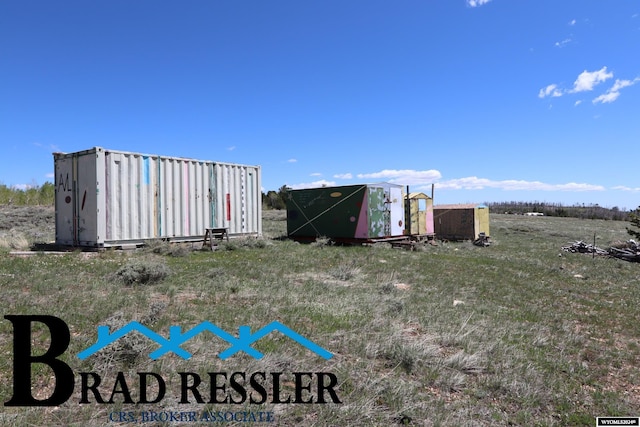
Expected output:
(106, 198)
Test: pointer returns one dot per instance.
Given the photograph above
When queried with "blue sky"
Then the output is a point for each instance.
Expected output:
(490, 100)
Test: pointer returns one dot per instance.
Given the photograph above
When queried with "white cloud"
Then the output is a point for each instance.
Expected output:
(621, 84)
(625, 188)
(551, 90)
(587, 80)
(475, 183)
(315, 174)
(562, 43)
(50, 175)
(292, 160)
(578, 102)
(572, 22)
(314, 184)
(51, 147)
(476, 3)
(574, 186)
(404, 176)
(470, 183)
(606, 98)
(233, 147)
(614, 92)
(343, 176)
(422, 180)
(22, 186)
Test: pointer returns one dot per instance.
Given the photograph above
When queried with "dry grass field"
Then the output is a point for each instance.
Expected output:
(518, 333)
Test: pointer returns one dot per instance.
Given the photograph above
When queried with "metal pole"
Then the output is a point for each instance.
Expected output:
(407, 213)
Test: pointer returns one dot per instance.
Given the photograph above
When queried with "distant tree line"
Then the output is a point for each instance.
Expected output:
(34, 195)
(276, 199)
(634, 218)
(44, 195)
(593, 211)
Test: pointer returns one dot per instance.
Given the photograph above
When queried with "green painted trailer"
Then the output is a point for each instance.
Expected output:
(358, 213)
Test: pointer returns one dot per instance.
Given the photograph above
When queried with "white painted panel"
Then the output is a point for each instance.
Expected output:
(397, 211)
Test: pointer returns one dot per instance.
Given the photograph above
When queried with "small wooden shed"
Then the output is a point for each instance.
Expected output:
(461, 221)
(419, 215)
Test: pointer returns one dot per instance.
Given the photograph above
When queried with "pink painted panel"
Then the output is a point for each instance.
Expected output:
(362, 229)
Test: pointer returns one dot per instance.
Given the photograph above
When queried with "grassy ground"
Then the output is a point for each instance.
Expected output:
(518, 333)
(21, 226)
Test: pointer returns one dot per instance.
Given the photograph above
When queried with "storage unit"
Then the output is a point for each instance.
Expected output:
(347, 213)
(110, 198)
(461, 222)
(419, 215)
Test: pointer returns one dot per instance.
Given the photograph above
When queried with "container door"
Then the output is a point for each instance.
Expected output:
(396, 211)
(76, 200)
(378, 213)
(64, 201)
(86, 200)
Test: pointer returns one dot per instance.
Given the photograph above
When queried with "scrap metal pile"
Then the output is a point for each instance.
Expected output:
(628, 251)
(584, 248)
(482, 240)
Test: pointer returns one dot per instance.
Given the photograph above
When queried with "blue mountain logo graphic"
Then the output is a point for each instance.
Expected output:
(242, 342)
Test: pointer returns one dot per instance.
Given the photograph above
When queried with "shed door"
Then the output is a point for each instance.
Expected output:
(421, 216)
(396, 207)
(378, 213)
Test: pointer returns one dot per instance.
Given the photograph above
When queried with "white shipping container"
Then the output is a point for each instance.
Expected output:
(108, 198)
